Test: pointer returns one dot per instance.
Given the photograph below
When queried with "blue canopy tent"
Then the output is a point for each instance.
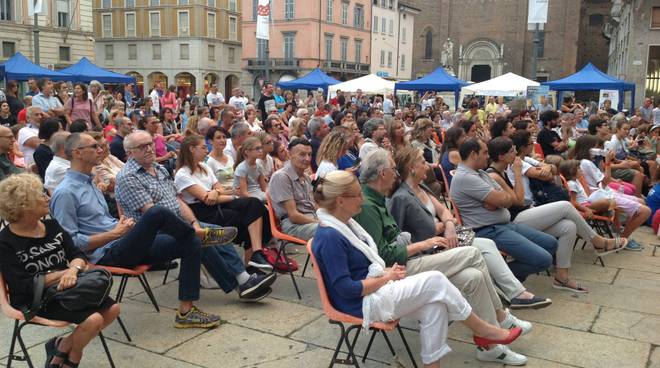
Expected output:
(438, 80)
(589, 79)
(20, 68)
(86, 71)
(312, 80)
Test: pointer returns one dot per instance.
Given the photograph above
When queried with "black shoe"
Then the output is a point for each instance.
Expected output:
(255, 285)
(537, 302)
(164, 266)
(257, 297)
(259, 261)
(258, 271)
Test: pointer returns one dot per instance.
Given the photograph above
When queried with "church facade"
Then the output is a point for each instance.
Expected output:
(482, 39)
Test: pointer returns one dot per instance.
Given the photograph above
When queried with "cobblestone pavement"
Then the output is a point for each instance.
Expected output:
(617, 324)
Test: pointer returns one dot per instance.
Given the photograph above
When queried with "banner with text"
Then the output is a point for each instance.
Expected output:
(537, 11)
(263, 16)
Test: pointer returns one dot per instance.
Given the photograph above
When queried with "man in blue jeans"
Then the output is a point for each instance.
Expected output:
(483, 206)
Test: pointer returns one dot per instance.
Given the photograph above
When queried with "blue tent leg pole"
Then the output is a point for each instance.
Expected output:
(622, 95)
(632, 102)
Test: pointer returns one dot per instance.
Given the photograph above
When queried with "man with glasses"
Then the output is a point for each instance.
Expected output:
(239, 133)
(7, 167)
(291, 192)
(45, 99)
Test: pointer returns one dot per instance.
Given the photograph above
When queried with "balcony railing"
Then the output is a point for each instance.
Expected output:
(345, 67)
(275, 64)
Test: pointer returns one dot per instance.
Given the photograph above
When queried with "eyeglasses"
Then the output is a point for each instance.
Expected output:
(7, 136)
(144, 146)
(257, 149)
(95, 146)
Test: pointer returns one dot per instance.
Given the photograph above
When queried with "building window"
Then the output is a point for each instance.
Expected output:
(428, 45)
(541, 50)
(211, 3)
(343, 48)
(233, 28)
(403, 62)
(391, 27)
(389, 59)
(289, 45)
(211, 52)
(156, 51)
(655, 17)
(105, 4)
(231, 55)
(375, 24)
(328, 47)
(132, 51)
(130, 25)
(62, 13)
(106, 20)
(8, 49)
(358, 14)
(328, 13)
(109, 52)
(382, 57)
(232, 5)
(183, 2)
(6, 10)
(184, 51)
(390, 4)
(358, 51)
(210, 25)
(403, 35)
(184, 24)
(154, 24)
(255, 6)
(129, 3)
(154, 2)
(595, 20)
(288, 10)
(262, 45)
(652, 71)
(383, 26)
(344, 13)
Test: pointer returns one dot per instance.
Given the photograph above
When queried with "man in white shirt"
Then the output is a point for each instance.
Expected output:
(239, 133)
(215, 98)
(28, 136)
(647, 109)
(155, 97)
(239, 102)
(50, 105)
(60, 164)
(656, 115)
(388, 105)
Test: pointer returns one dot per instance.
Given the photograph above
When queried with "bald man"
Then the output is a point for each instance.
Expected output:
(7, 167)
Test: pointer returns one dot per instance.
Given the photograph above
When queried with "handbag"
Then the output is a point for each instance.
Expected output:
(465, 235)
(91, 289)
(281, 263)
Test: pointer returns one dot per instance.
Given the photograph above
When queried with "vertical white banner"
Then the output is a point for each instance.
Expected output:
(263, 16)
(36, 6)
(537, 11)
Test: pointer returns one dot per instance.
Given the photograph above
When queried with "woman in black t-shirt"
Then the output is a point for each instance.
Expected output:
(6, 118)
(29, 245)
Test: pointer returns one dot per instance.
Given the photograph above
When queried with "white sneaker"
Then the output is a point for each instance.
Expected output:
(512, 321)
(501, 354)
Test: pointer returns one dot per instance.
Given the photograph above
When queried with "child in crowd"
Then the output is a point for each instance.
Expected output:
(555, 161)
(249, 179)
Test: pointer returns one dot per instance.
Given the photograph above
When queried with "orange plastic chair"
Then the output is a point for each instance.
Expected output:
(284, 239)
(538, 150)
(339, 318)
(20, 322)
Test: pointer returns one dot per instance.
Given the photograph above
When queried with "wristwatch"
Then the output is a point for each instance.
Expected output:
(78, 268)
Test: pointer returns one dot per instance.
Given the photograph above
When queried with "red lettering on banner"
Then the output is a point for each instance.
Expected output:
(263, 10)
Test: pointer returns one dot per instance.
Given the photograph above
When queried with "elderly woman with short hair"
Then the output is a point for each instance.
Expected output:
(31, 245)
(422, 139)
(464, 266)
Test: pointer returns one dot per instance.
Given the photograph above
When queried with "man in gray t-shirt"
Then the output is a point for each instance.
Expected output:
(483, 204)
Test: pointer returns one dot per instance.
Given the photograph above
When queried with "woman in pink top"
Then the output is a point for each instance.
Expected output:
(80, 106)
(169, 98)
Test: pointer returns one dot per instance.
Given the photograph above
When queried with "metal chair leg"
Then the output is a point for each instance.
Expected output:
(389, 343)
(405, 343)
(305, 267)
(107, 351)
(371, 341)
(121, 288)
(13, 344)
(282, 251)
(339, 343)
(123, 328)
(351, 352)
(147, 289)
(167, 272)
(26, 355)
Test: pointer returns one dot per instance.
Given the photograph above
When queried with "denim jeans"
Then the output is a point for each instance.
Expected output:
(160, 236)
(223, 263)
(531, 249)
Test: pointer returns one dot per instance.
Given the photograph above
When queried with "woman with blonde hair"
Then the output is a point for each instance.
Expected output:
(24, 204)
(249, 179)
(334, 146)
(298, 127)
(358, 282)
(397, 133)
(191, 127)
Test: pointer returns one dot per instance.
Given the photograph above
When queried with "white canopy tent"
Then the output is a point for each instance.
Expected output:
(508, 84)
(369, 84)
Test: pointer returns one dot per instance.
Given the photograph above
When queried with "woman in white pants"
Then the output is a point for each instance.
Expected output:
(559, 219)
(359, 284)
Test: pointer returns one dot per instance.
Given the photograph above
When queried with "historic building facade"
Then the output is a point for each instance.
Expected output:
(482, 39)
(392, 27)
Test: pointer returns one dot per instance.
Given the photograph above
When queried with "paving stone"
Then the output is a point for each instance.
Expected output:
(316, 357)
(33, 335)
(654, 359)
(639, 280)
(562, 313)
(629, 325)
(235, 346)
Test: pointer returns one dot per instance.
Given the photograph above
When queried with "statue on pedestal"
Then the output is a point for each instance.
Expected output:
(447, 55)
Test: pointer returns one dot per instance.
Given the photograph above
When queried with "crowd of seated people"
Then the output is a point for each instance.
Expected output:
(412, 212)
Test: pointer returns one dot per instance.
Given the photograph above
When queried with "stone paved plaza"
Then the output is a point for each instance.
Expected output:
(617, 324)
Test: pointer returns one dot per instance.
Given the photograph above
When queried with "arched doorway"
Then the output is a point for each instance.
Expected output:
(480, 59)
(139, 79)
(209, 79)
(185, 84)
(154, 78)
(231, 81)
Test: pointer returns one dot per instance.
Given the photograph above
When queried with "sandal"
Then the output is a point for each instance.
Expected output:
(619, 244)
(52, 352)
(69, 364)
(564, 285)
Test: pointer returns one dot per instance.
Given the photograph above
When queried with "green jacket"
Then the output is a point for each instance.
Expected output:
(380, 224)
(7, 167)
